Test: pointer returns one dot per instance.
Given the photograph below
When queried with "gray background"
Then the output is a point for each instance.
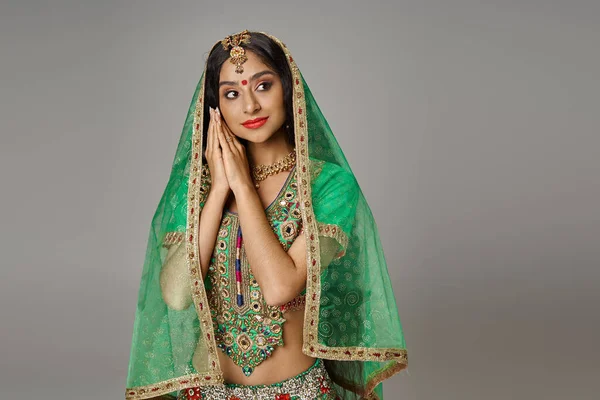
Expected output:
(472, 127)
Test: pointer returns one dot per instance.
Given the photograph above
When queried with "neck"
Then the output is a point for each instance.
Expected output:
(269, 152)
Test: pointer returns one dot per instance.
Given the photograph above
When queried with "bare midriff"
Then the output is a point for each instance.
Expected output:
(259, 344)
(286, 361)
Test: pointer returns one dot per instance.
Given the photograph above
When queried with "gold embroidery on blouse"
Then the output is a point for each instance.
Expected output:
(248, 333)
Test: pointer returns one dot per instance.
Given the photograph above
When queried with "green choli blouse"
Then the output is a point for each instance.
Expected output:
(249, 333)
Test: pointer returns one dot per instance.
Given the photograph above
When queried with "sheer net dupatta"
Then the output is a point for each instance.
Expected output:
(172, 345)
(351, 319)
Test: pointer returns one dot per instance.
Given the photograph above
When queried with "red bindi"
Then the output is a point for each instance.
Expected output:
(244, 82)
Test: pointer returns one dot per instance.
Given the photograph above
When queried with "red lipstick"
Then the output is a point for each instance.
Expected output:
(255, 123)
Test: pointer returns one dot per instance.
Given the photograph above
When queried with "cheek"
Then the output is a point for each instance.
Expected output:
(276, 101)
(227, 112)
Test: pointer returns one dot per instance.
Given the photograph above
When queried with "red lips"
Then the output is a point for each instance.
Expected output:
(255, 123)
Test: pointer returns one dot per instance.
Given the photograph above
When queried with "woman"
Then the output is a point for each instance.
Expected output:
(264, 276)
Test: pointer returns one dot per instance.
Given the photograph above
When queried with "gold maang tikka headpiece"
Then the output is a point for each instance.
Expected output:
(237, 52)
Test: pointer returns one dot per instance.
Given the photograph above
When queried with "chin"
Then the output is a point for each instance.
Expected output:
(257, 135)
(258, 140)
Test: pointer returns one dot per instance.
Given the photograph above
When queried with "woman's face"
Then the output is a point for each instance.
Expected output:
(251, 103)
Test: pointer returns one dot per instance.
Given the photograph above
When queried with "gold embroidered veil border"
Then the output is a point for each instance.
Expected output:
(351, 318)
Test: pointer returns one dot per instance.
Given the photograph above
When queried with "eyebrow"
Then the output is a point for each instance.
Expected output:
(253, 78)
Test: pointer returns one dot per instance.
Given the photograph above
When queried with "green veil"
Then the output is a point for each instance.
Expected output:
(351, 319)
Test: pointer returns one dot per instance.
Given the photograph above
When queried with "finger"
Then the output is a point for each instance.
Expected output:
(222, 123)
(231, 139)
(209, 144)
(221, 130)
(222, 139)
(234, 139)
(213, 138)
(216, 149)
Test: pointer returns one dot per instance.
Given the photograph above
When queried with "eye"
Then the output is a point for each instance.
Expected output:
(265, 85)
(231, 94)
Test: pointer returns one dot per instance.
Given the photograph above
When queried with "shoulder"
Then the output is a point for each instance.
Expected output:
(335, 194)
(328, 177)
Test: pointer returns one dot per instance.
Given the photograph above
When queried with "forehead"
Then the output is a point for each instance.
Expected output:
(253, 65)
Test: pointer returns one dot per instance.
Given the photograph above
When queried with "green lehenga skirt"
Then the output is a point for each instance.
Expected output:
(312, 384)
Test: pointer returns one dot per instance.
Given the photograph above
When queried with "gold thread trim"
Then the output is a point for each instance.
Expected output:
(168, 386)
(335, 232)
(357, 353)
(309, 222)
(205, 184)
(195, 187)
(172, 238)
(386, 373)
(372, 382)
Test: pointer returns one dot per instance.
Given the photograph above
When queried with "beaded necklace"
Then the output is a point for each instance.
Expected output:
(262, 172)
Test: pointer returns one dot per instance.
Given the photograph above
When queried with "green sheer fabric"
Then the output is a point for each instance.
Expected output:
(351, 318)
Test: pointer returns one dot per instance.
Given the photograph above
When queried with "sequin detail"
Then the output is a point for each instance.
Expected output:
(246, 328)
(312, 384)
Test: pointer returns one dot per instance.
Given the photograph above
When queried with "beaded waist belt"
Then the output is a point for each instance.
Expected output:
(312, 384)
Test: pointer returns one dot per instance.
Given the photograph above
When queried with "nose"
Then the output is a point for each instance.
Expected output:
(251, 104)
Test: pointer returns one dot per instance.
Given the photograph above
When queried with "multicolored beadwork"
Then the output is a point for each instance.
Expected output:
(238, 267)
(247, 329)
(312, 384)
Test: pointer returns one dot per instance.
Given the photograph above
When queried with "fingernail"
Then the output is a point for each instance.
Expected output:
(218, 111)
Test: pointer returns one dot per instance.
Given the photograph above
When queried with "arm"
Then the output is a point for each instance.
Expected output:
(212, 212)
(281, 275)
